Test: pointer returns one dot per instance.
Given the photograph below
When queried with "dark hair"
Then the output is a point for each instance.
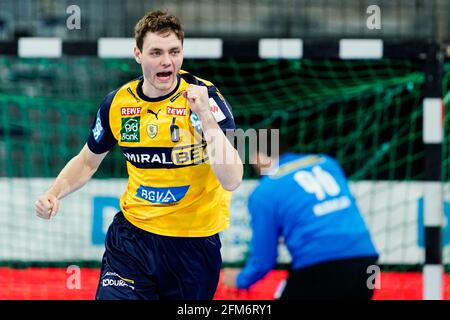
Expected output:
(159, 22)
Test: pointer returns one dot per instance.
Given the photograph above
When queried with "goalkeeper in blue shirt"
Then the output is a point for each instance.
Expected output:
(307, 201)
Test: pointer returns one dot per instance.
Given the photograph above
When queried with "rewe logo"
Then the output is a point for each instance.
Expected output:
(130, 129)
(176, 111)
(130, 111)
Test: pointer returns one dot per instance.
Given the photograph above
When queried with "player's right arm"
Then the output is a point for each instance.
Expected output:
(82, 167)
(77, 172)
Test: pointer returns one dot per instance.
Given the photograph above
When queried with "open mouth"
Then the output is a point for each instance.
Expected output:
(164, 76)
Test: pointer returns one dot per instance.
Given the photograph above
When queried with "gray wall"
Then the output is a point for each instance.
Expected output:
(401, 19)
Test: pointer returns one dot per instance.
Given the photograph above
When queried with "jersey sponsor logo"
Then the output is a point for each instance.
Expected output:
(176, 111)
(195, 121)
(216, 111)
(152, 130)
(116, 281)
(130, 111)
(98, 130)
(170, 195)
(189, 155)
(159, 157)
(118, 276)
(130, 129)
(154, 113)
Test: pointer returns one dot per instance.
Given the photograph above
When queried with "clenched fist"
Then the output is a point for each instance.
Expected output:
(198, 98)
(47, 206)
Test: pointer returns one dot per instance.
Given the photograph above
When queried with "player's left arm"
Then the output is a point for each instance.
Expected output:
(224, 158)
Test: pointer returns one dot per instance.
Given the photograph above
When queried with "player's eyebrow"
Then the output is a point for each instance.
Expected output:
(160, 49)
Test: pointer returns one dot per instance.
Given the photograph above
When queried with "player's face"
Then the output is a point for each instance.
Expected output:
(161, 59)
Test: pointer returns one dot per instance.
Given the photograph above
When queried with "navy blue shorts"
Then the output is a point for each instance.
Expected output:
(141, 265)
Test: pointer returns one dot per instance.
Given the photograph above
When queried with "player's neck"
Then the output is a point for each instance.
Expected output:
(152, 92)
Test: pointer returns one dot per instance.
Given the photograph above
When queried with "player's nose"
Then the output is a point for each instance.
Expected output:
(165, 61)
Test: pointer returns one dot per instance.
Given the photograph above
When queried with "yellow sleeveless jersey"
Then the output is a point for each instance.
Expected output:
(172, 189)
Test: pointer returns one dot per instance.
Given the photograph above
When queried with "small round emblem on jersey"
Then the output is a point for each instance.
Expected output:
(152, 130)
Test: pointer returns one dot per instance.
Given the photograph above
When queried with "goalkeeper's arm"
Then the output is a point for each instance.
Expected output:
(73, 176)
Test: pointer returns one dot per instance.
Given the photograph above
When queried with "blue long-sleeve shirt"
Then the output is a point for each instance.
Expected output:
(308, 202)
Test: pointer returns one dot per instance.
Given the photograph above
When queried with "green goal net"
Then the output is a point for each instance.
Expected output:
(366, 113)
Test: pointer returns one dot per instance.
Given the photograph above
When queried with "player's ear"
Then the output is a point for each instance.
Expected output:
(137, 55)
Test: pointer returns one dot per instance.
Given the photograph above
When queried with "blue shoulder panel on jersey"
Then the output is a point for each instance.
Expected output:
(225, 114)
(189, 78)
(225, 108)
(101, 138)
